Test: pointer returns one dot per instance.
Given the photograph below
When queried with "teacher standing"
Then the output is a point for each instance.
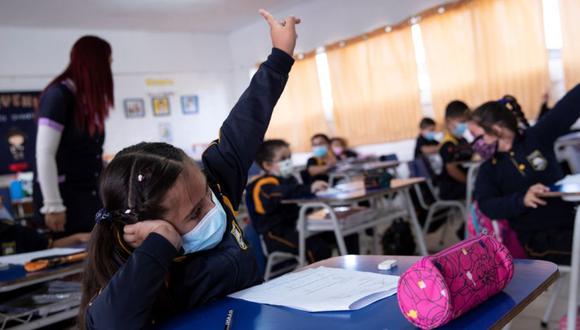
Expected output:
(71, 132)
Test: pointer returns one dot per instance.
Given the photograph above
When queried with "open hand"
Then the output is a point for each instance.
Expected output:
(136, 233)
(283, 33)
(531, 198)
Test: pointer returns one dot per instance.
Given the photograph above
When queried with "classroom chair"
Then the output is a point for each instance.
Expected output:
(271, 264)
(418, 168)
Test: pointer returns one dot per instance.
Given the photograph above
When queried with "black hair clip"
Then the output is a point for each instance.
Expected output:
(102, 215)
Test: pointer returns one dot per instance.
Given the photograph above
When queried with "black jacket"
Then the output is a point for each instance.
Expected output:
(154, 285)
(503, 180)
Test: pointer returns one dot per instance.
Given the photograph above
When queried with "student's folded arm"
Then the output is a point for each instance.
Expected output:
(558, 121)
(492, 203)
(230, 157)
(127, 301)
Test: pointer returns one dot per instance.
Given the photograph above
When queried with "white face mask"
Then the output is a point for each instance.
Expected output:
(286, 168)
(209, 231)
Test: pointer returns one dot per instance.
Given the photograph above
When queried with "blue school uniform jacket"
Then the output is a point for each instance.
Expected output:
(153, 284)
(503, 180)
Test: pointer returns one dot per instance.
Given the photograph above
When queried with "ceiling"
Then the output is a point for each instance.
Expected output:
(199, 16)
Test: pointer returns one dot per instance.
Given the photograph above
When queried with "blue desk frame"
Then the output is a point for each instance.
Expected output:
(531, 278)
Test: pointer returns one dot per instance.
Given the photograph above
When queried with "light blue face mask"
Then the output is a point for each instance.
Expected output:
(460, 129)
(430, 136)
(319, 151)
(208, 232)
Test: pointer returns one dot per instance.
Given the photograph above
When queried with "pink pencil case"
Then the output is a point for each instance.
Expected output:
(444, 286)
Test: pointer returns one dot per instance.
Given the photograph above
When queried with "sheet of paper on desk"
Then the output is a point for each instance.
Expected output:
(22, 258)
(570, 179)
(322, 289)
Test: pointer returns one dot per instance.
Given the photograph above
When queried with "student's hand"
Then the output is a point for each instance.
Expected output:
(283, 33)
(318, 186)
(55, 221)
(136, 233)
(531, 198)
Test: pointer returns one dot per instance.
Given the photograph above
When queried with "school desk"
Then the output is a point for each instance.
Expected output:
(574, 268)
(385, 212)
(348, 170)
(531, 278)
(15, 277)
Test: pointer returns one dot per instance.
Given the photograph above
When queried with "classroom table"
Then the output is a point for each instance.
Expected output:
(531, 278)
(575, 263)
(345, 228)
(16, 278)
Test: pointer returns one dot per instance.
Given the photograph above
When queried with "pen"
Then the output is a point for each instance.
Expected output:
(229, 320)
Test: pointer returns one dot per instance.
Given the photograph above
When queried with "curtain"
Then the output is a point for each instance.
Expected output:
(570, 16)
(375, 89)
(485, 49)
(451, 59)
(299, 113)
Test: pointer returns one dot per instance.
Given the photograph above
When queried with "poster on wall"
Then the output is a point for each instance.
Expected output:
(18, 131)
(134, 108)
(190, 104)
(160, 104)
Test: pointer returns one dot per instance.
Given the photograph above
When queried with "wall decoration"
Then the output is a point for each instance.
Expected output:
(134, 108)
(165, 132)
(160, 105)
(190, 104)
(18, 131)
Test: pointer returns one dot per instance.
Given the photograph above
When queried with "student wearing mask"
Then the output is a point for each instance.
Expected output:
(322, 160)
(524, 165)
(426, 144)
(276, 222)
(166, 240)
(454, 149)
(340, 149)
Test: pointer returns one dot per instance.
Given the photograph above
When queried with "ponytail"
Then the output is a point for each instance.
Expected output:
(511, 104)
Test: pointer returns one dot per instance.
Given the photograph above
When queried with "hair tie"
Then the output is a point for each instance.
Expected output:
(140, 177)
(102, 215)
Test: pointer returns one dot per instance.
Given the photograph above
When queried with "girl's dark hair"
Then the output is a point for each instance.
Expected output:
(322, 136)
(137, 179)
(267, 150)
(340, 140)
(506, 113)
(90, 70)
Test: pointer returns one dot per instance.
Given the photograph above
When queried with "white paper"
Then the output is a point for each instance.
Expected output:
(22, 258)
(322, 289)
(570, 179)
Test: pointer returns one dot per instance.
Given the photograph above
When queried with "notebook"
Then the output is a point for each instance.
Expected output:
(322, 289)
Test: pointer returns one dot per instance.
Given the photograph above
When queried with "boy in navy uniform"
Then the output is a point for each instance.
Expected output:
(426, 143)
(167, 240)
(454, 149)
(276, 222)
(322, 161)
(510, 184)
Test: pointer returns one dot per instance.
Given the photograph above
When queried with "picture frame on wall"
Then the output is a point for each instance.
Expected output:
(134, 108)
(161, 105)
(190, 104)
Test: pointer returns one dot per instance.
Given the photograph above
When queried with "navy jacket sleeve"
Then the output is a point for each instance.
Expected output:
(490, 199)
(126, 302)
(558, 121)
(272, 194)
(229, 158)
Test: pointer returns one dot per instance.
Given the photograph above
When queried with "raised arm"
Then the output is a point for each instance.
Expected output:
(558, 121)
(229, 158)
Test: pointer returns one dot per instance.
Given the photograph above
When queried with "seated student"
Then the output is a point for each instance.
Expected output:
(18, 239)
(276, 222)
(340, 149)
(159, 205)
(323, 159)
(524, 164)
(453, 149)
(426, 143)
